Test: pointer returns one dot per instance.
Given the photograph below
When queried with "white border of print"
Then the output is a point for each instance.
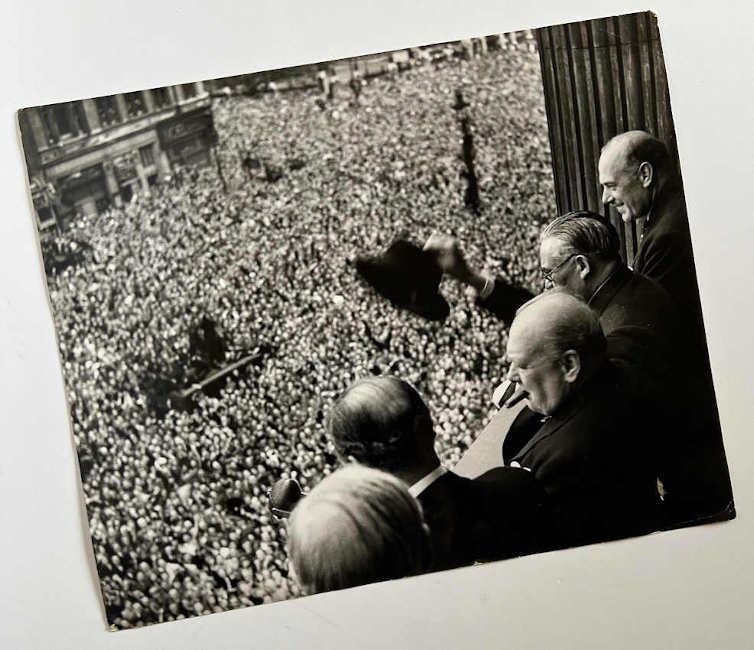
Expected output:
(687, 588)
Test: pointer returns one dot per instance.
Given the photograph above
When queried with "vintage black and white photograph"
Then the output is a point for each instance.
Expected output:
(365, 319)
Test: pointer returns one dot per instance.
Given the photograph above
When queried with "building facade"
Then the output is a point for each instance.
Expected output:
(84, 156)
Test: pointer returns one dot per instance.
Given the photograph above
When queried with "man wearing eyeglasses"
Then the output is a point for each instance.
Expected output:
(645, 335)
(640, 182)
(579, 251)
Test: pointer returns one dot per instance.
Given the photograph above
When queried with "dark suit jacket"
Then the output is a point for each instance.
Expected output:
(665, 254)
(635, 313)
(640, 323)
(593, 462)
(639, 320)
(494, 516)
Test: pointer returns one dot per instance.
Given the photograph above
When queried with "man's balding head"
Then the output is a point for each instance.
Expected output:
(382, 422)
(555, 344)
(632, 166)
(635, 147)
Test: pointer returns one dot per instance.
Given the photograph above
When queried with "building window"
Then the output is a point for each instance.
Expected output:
(160, 97)
(134, 104)
(64, 121)
(80, 116)
(50, 126)
(189, 90)
(146, 154)
(107, 110)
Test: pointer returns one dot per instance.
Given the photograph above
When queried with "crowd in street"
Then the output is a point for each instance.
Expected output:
(176, 498)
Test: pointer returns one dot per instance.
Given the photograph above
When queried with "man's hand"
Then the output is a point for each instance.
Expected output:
(448, 255)
(450, 259)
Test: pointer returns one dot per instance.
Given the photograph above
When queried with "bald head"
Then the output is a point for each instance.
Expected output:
(382, 422)
(635, 147)
(555, 344)
(558, 321)
(359, 525)
(632, 166)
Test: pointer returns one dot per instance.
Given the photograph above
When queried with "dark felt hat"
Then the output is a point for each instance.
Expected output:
(407, 276)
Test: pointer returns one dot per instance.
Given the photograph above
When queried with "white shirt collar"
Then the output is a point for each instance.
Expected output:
(422, 484)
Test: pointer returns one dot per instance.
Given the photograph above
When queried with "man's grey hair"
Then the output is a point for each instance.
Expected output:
(584, 233)
(359, 525)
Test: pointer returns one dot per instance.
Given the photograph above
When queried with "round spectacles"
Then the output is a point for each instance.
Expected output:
(547, 273)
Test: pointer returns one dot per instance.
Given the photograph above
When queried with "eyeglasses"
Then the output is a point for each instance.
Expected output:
(547, 273)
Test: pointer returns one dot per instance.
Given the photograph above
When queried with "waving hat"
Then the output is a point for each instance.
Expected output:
(408, 277)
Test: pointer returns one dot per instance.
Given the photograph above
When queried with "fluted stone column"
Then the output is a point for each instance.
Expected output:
(148, 101)
(120, 102)
(37, 128)
(92, 117)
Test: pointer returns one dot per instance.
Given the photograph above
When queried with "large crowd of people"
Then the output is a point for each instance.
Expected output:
(176, 497)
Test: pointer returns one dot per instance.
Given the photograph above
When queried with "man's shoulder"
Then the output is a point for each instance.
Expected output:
(639, 296)
(670, 219)
(447, 488)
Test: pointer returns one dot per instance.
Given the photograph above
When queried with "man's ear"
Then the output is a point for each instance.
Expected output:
(646, 174)
(583, 266)
(570, 361)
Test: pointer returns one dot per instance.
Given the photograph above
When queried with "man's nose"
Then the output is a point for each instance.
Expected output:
(512, 374)
(606, 196)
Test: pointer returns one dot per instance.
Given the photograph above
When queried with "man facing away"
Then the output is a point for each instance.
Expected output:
(383, 423)
(357, 526)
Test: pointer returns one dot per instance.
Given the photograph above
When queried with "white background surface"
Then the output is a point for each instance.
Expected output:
(683, 589)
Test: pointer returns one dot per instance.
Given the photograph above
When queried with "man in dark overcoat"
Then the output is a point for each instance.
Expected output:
(584, 426)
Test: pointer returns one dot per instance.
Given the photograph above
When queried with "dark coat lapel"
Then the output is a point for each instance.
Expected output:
(553, 424)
